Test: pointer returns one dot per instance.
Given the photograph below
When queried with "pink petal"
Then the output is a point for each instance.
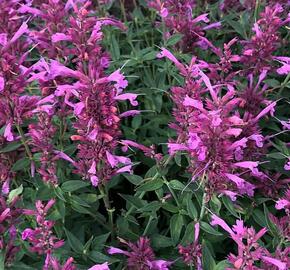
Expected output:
(247, 164)
(234, 131)
(175, 147)
(8, 135)
(113, 250)
(92, 169)
(270, 108)
(196, 232)
(128, 96)
(278, 263)
(103, 266)
(218, 221)
(94, 180)
(281, 204)
(57, 37)
(2, 83)
(130, 113)
(23, 29)
(192, 103)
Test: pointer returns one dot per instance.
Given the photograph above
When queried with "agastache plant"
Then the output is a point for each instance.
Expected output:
(93, 97)
(250, 252)
(213, 133)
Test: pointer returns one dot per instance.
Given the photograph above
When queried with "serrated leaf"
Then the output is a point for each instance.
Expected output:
(191, 209)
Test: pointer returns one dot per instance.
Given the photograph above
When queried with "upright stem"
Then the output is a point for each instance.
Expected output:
(23, 140)
(105, 193)
(123, 10)
(203, 203)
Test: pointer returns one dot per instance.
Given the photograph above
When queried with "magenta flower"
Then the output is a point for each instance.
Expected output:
(249, 250)
(103, 266)
(140, 256)
(192, 254)
(177, 16)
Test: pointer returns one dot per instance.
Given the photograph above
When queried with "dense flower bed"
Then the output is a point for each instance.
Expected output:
(150, 134)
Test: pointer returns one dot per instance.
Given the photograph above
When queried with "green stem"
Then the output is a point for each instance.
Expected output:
(123, 10)
(203, 204)
(148, 225)
(23, 140)
(172, 192)
(105, 193)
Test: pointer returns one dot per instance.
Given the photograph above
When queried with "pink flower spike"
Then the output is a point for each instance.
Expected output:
(128, 96)
(103, 266)
(218, 221)
(8, 135)
(278, 263)
(4, 214)
(57, 37)
(2, 84)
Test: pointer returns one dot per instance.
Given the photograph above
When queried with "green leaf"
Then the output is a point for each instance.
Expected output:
(177, 185)
(73, 185)
(58, 192)
(21, 164)
(99, 241)
(222, 265)
(191, 209)
(189, 234)
(11, 147)
(151, 185)
(230, 206)
(270, 225)
(176, 224)
(74, 242)
(259, 217)
(14, 193)
(207, 259)
(150, 207)
(207, 228)
(161, 241)
(134, 179)
(2, 260)
(174, 39)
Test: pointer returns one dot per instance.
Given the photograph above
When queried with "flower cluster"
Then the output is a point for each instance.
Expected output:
(9, 217)
(250, 251)
(177, 17)
(140, 256)
(220, 142)
(192, 253)
(41, 238)
(258, 52)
